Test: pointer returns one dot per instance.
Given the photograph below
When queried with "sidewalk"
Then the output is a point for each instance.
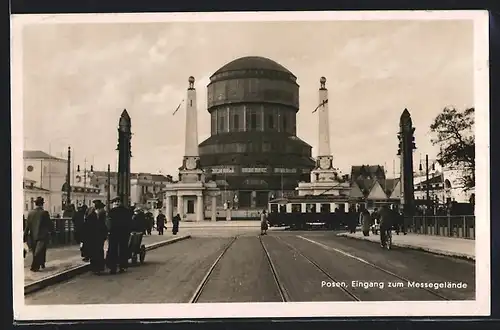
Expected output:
(448, 246)
(217, 224)
(63, 259)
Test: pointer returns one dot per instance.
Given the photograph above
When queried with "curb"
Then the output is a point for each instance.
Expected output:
(80, 269)
(419, 248)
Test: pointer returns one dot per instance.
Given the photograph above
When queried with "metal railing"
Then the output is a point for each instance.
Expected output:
(461, 226)
(63, 232)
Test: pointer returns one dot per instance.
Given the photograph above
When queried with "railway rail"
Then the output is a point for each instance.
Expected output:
(366, 263)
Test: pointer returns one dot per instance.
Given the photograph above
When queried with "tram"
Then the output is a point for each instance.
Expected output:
(311, 212)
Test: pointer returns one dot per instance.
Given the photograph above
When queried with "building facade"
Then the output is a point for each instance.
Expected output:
(253, 151)
(146, 189)
(49, 173)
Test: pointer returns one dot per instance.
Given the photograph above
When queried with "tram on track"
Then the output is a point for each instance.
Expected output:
(311, 212)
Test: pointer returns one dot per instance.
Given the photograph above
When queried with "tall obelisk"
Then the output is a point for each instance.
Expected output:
(406, 147)
(124, 155)
(324, 161)
(191, 161)
(190, 174)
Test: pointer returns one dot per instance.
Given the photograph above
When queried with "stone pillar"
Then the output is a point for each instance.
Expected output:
(214, 208)
(346, 207)
(228, 214)
(168, 208)
(180, 205)
(323, 118)
(200, 209)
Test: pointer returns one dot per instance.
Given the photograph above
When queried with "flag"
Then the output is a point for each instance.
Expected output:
(320, 105)
(178, 107)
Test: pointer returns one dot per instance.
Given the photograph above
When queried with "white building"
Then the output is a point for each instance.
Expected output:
(49, 173)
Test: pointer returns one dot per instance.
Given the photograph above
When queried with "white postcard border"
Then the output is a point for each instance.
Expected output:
(479, 307)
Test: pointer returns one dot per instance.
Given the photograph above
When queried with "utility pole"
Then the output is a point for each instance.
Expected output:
(68, 181)
(427, 192)
(108, 190)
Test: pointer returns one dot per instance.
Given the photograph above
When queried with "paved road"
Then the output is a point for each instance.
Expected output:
(304, 262)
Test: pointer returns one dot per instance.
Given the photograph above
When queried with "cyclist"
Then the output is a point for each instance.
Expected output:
(386, 218)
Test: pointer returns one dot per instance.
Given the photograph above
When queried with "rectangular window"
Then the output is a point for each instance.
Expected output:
(274, 208)
(271, 121)
(282, 208)
(311, 208)
(296, 208)
(190, 207)
(285, 124)
(253, 121)
(325, 208)
(221, 123)
(236, 122)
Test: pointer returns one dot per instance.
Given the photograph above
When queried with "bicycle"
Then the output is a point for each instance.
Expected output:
(388, 239)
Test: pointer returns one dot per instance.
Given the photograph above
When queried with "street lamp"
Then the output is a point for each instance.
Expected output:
(85, 173)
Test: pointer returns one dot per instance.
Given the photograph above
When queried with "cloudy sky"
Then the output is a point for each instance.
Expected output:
(77, 78)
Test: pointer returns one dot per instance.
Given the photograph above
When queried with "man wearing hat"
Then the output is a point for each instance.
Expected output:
(96, 234)
(38, 229)
(120, 223)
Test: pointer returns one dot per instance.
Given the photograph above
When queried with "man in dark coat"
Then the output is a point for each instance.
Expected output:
(175, 224)
(140, 222)
(37, 232)
(120, 226)
(78, 224)
(150, 222)
(160, 222)
(96, 234)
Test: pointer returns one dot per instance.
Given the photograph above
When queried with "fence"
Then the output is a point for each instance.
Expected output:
(63, 233)
(462, 226)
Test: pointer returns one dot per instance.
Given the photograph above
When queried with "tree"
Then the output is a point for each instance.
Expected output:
(454, 133)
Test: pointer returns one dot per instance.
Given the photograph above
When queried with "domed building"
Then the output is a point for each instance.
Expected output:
(253, 152)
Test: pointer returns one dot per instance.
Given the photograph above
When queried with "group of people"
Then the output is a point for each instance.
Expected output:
(387, 218)
(92, 227)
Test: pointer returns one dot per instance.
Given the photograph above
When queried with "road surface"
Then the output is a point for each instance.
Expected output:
(238, 265)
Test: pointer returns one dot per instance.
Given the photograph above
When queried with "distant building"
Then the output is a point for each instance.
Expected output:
(145, 188)
(443, 186)
(49, 173)
(30, 192)
(254, 152)
(370, 187)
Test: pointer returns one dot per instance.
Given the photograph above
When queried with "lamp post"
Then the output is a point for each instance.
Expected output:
(85, 173)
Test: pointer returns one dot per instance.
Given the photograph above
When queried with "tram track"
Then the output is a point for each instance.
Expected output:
(321, 269)
(206, 278)
(434, 293)
(282, 291)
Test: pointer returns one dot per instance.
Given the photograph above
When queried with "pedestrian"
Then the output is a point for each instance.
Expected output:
(386, 218)
(263, 223)
(37, 232)
(120, 227)
(175, 224)
(375, 220)
(96, 234)
(160, 222)
(150, 222)
(366, 221)
(78, 225)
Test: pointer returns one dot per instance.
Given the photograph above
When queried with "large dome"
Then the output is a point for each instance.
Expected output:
(251, 63)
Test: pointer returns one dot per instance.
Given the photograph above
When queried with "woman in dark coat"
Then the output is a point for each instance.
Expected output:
(97, 232)
(175, 224)
(366, 222)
